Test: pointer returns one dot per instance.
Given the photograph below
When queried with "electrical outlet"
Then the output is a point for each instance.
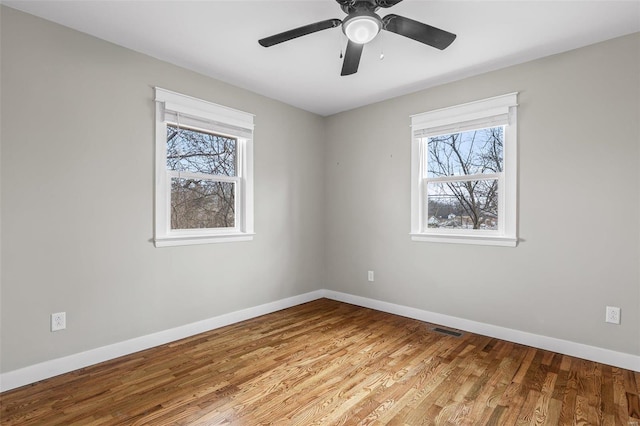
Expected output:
(613, 315)
(370, 275)
(58, 321)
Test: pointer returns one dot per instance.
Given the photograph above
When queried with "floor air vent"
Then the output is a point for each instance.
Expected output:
(447, 332)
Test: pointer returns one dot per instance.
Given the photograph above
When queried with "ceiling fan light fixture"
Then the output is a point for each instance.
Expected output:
(361, 27)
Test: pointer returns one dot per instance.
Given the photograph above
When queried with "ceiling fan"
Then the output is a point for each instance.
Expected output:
(362, 25)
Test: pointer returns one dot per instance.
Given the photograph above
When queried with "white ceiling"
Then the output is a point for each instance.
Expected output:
(220, 39)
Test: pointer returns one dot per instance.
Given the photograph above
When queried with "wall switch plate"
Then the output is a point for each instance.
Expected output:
(370, 275)
(58, 321)
(613, 315)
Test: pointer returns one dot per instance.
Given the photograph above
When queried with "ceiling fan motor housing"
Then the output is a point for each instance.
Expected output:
(350, 6)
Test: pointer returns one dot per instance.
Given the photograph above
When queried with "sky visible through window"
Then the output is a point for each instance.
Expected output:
(200, 152)
(466, 153)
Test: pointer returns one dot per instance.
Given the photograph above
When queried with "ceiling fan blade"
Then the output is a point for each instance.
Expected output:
(440, 39)
(352, 58)
(387, 3)
(299, 32)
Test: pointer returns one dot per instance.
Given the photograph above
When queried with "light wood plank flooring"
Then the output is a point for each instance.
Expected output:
(330, 363)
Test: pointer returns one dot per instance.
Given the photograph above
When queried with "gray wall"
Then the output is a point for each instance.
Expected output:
(331, 195)
(579, 212)
(77, 199)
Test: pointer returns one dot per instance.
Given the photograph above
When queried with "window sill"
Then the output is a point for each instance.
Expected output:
(484, 240)
(187, 240)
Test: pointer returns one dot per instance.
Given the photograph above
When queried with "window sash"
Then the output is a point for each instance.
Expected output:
(238, 142)
(239, 205)
(424, 210)
(205, 231)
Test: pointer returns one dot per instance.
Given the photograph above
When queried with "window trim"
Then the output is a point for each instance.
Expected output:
(202, 115)
(491, 112)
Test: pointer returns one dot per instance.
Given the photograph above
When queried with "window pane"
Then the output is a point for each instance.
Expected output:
(463, 205)
(197, 204)
(200, 152)
(466, 153)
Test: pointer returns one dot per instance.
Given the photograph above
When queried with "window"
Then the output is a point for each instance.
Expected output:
(464, 177)
(204, 165)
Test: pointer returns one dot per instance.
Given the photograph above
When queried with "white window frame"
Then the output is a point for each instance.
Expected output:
(491, 112)
(197, 114)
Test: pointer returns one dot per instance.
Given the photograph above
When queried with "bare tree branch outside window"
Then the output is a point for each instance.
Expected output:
(470, 202)
(198, 199)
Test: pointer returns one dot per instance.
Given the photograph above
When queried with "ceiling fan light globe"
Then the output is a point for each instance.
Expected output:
(362, 29)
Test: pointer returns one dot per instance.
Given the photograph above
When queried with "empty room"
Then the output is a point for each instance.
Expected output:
(320, 212)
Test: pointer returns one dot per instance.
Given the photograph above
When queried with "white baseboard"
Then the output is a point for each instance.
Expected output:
(55, 367)
(566, 347)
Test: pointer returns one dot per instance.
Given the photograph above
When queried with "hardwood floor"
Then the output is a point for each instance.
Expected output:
(326, 363)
